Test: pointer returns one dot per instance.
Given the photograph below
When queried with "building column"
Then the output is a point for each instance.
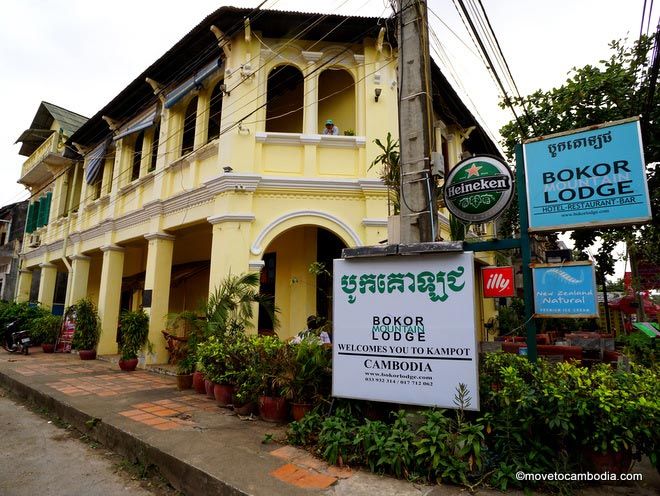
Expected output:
(230, 246)
(47, 284)
(24, 285)
(77, 286)
(109, 297)
(156, 298)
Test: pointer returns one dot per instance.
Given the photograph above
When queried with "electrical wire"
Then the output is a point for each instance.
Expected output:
(185, 72)
(490, 64)
(128, 170)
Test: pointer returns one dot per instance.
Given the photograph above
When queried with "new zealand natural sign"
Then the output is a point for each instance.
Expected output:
(404, 329)
(565, 290)
(589, 177)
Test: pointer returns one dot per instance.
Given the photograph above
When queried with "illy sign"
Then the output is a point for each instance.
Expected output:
(498, 282)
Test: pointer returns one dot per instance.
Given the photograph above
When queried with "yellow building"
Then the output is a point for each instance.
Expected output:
(213, 161)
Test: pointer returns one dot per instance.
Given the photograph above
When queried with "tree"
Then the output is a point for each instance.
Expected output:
(613, 89)
(390, 173)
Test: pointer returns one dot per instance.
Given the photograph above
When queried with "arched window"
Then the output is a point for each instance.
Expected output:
(337, 99)
(137, 156)
(154, 147)
(285, 100)
(215, 112)
(188, 141)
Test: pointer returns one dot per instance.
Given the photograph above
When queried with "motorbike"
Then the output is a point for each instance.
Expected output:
(16, 341)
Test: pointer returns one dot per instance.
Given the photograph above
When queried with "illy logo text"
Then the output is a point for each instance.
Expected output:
(497, 282)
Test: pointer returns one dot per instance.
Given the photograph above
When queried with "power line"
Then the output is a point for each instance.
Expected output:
(491, 66)
(227, 129)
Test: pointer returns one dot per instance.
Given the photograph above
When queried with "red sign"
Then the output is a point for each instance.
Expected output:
(66, 333)
(498, 282)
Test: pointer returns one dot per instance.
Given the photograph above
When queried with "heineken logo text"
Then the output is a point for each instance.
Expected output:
(483, 185)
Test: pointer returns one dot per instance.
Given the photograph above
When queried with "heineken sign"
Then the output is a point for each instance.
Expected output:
(405, 330)
(478, 189)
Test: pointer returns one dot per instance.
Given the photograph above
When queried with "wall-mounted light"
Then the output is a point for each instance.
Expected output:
(227, 169)
(223, 89)
(377, 93)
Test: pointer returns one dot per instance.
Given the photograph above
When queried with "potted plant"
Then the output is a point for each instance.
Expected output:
(135, 333)
(185, 330)
(272, 359)
(307, 376)
(245, 373)
(45, 330)
(88, 329)
(184, 371)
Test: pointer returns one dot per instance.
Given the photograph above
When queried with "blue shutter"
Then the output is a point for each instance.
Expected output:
(144, 123)
(95, 161)
(175, 96)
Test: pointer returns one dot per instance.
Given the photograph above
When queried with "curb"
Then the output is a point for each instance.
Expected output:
(184, 477)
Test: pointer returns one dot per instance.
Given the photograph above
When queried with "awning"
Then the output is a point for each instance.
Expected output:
(95, 160)
(651, 329)
(174, 96)
(627, 304)
(137, 126)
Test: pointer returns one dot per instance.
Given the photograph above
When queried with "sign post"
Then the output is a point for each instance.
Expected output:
(405, 330)
(587, 177)
(566, 290)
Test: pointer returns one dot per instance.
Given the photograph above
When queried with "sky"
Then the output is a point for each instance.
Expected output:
(79, 54)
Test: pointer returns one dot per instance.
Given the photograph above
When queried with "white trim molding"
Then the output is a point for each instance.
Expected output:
(374, 222)
(79, 256)
(256, 265)
(159, 235)
(323, 140)
(112, 247)
(217, 219)
(257, 249)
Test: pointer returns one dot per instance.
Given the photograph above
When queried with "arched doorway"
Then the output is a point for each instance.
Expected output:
(337, 99)
(298, 273)
(285, 100)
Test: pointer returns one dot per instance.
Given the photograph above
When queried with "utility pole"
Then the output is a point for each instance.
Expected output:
(418, 210)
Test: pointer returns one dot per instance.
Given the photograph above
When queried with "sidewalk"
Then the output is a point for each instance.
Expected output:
(199, 447)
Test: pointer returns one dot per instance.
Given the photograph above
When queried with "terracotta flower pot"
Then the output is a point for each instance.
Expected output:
(87, 354)
(208, 387)
(198, 383)
(615, 462)
(245, 409)
(299, 410)
(223, 393)
(48, 347)
(184, 381)
(273, 409)
(128, 365)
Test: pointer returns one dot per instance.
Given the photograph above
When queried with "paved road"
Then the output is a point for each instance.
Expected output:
(36, 457)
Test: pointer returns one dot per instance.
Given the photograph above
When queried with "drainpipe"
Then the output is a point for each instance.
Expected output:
(65, 244)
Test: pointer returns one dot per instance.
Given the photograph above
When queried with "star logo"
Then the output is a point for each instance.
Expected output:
(473, 171)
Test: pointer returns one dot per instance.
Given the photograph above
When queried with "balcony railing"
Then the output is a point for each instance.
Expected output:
(47, 147)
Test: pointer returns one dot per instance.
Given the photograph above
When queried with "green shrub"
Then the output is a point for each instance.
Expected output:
(134, 333)
(304, 432)
(22, 313)
(641, 349)
(45, 329)
(535, 418)
(88, 325)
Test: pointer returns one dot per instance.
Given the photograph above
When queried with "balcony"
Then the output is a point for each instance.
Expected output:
(310, 155)
(44, 162)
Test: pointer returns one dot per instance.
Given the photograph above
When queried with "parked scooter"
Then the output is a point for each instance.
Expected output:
(16, 341)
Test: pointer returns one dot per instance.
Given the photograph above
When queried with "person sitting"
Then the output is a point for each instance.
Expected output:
(330, 128)
(313, 331)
